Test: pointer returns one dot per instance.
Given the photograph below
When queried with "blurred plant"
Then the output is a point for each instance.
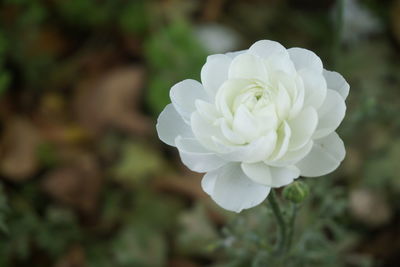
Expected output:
(174, 54)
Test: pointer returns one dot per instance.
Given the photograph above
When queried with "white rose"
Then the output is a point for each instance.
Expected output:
(260, 118)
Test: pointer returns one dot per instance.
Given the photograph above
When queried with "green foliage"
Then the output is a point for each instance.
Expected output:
(4, 209)
(173, 55)
(134, 17)
(249, 239)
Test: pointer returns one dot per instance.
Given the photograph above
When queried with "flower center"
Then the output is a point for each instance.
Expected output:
(254, 96)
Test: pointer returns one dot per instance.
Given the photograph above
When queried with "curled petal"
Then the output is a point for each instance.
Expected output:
(314, 88)
(324, 157)
(230, 188)
(303, 127)
(170, 124)
(267, 48)
(245, 124)
(330, 114)
(204, 131)
(336, 82)
(196, 157)
(305, 59)
(282, 144)
(214, 73)
(183, 96)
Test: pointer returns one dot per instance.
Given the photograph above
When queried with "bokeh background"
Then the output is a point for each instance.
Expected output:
(84, 180)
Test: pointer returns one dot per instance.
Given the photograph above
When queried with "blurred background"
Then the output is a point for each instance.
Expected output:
(84, 180)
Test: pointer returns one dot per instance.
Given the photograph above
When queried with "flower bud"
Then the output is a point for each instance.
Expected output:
(296, 192)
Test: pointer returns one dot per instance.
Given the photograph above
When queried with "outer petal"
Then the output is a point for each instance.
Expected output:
(305, 59)
(314, 88)
(230, 188)
(270, 176)
(325, 156)
(303, 127)
(336, 82)
(170, 124)
(330, 114)
(236, 53)
(267, 48)
(215, 72)
(183, 96)
(196, 157)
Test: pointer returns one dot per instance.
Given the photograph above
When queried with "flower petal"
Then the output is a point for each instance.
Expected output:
(247, 66)
(208, 182)
(291, 157)
(330, 114)
(236, 53)
(336, 82)
(282, 144)
(170, 124)
(305, 59)
(204, 131)
(270, 176)
(303, 127)
(258, 150)
(215, 72)
(183, 96)
(230, 188)
(314, 88)
(245, 124)
(196, 157)
(267, 48)
(324, 157)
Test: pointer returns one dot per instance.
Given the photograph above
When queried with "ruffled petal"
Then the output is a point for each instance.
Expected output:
(231, 189)
(183, 96)
(196, 157)
(330, 114)
(325, 156)
(336, 82)
(170, 124)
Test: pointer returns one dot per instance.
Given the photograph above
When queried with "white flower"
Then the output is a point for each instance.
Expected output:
(260, 118)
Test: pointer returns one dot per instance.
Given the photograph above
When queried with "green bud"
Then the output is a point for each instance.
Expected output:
(296, 192)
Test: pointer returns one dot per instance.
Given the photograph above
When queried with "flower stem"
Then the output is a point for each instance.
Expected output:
(291, 226)
(281, 222)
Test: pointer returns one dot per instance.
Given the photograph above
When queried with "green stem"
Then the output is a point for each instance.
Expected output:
(281, 222)
(291, 225)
